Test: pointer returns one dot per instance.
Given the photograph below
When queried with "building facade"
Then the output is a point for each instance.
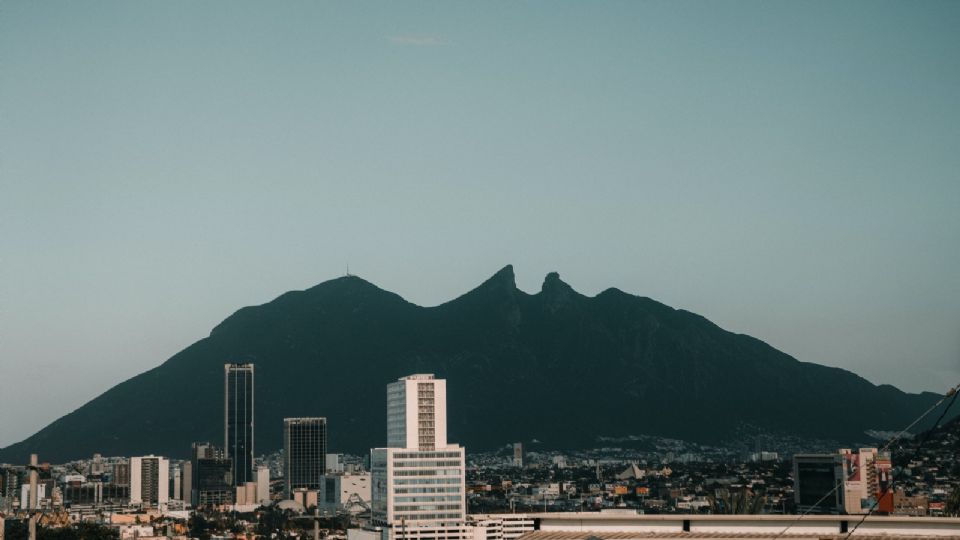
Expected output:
(304, 453)
(211, 476)
(866, 480)
(818, 483)
(418, 482)
(238, 400)
(149, 481)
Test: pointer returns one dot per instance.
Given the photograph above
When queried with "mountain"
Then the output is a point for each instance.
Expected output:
(556, 366)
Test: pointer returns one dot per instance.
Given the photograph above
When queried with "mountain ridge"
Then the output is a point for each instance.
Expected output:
(519, 366)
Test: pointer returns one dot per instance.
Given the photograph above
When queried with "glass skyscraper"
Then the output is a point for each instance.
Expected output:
(304, 453)
(238, 420)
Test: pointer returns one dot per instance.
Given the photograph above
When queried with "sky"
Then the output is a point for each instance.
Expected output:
(789, 170)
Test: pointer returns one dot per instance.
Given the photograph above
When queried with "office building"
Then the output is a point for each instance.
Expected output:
(818, 483)
(211, 481)
(304, 453)
(149, 481)
(238, 399)
(418, 487)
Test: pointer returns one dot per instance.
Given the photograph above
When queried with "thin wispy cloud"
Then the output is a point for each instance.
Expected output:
(416, 40)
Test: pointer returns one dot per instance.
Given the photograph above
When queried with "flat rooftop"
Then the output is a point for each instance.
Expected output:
(625, 525)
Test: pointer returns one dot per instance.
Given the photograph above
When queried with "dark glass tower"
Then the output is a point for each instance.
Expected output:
(238, 420)
(304, 453)
(211, 476)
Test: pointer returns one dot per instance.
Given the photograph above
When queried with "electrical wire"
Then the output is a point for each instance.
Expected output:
(916, 452)
(952, 392)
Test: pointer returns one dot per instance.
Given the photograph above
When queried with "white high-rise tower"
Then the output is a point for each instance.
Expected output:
(150, 481)
(418, 489)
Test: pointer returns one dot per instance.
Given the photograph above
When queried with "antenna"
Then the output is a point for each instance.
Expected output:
(348, 269)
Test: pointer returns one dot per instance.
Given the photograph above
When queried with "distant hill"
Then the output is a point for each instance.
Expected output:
(555, 366)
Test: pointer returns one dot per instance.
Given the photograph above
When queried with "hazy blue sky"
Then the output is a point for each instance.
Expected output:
(790, 170)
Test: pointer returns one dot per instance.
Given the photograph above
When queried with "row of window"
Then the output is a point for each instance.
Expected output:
(422, 481)
(427, 490)
(443, 463)
(435, 516)
(428, 498)
(428, 472)
(424, 507)
(418, 455)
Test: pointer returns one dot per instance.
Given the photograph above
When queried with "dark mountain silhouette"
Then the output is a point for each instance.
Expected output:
(556, 366)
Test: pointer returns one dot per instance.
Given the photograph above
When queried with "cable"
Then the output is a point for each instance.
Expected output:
(916, 452)
(898, 436)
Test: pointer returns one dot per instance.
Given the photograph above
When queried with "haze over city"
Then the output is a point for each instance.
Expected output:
(787, 170)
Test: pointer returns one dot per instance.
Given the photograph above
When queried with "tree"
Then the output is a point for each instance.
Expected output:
(952, 506)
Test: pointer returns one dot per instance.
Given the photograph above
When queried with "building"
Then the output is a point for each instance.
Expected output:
(186, 482)
(121, 473)
(149, 481)
(418, 486)
(349, 493)
(633, 526)
(9, 483)
(211, 476)
(818, 483)
(335, 463)
(500, 526)
(176, 484)
(518, 454)
(263, 485)
(238, 399)
(304, 453)
(867, 481)
(25, 496)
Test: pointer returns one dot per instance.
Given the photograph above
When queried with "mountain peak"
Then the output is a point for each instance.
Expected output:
(505, 274)
(502, 279)
(665, 372)
(553, 284)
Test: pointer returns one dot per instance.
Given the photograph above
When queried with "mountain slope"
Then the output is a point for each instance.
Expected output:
(556, 366)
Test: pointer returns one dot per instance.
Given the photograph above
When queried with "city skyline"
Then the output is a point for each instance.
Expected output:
(787, 170)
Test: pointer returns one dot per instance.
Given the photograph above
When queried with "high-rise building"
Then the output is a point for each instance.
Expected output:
(304, 453)
(418, 486)
(518, 454)
(149, 481)
(238, 420)
(176, 484)
(818, 483)
(186, 482)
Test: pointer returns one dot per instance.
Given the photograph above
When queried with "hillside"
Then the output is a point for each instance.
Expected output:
(556, 366)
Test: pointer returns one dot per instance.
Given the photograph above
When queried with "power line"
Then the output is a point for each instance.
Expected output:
(952, 392)
(916, 452)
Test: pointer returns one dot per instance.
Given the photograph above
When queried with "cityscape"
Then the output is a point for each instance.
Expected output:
(480, 270)
(422, 486)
